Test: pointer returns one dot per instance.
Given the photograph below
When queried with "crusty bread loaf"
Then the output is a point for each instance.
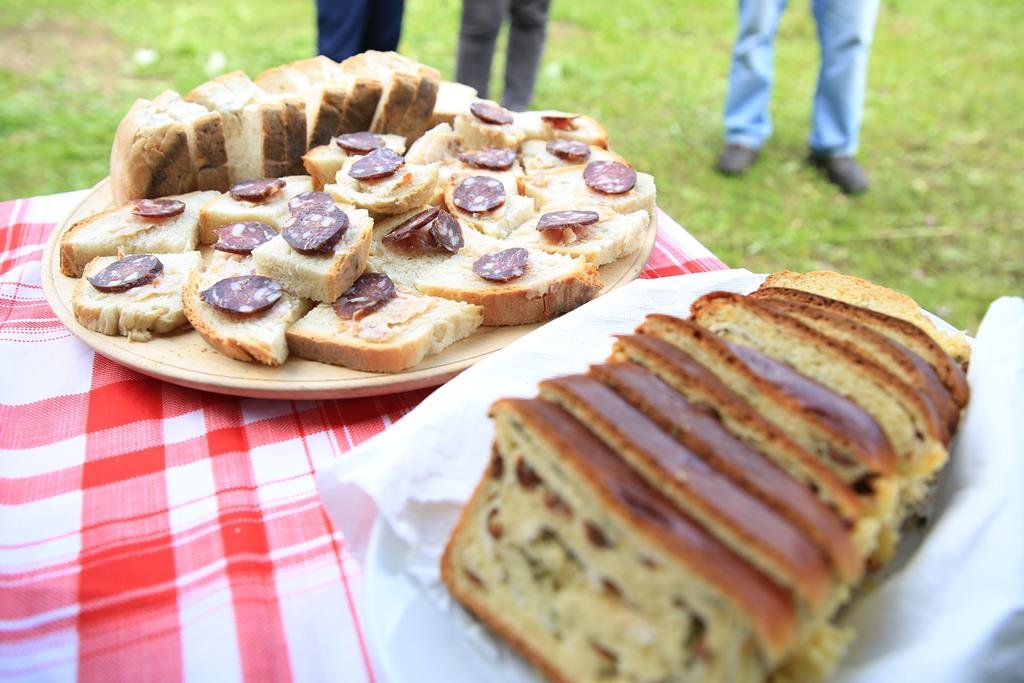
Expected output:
(395, 337)
(536, 157)
(118, 230)
(561, 185)
(477, 134)
(409, 91)
(323, 162)
(860, 292)
(611, 238)
(274, 211)
(452, 99)
(256, 338)
(140, 312)
(323, 89)
(410, 186)
(167, 146)
(320, 277)
(541, 125)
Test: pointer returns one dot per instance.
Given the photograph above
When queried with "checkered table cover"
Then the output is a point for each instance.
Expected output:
(153, 532)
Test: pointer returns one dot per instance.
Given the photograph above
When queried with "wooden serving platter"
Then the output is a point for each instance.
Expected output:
(184, 358)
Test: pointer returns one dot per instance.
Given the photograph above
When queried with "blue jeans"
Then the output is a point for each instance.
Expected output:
(348, 27)
(845, 30)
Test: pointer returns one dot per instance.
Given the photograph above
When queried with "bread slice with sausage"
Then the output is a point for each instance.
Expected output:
(609, 239)
(560, 125)
(561, 185)
(273, 210)
(452, 99)
(323, 162)
(411, 185)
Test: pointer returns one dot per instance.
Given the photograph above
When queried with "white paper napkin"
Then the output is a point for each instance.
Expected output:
(961, 592)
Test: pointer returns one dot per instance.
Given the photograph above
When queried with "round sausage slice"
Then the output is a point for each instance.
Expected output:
(124, 274)
(379, 163)
(362, 142)
(447, 232)
(490, 113)
(158, 208)
(502, 266)
(370, 292)
(316, 231)
(413, 225)
(256, 190)
(558, 220)
(479, 193)
(492, 158)
(308, 201)
(609, 177)
(243, 295)
(568, 150)
(242, 237)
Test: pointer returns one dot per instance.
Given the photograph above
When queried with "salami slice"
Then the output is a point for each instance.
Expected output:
(362, 142)
(490, 113)
(411, 226)
(308, 201)
(316, 231)
(492, 158)
(242, 237)
(559, 220)
(502, 266)
(379, 163)
(609, 177)
(561, 122)
(447, 232)
(370, 292)
(158, 208)
(568, 150)
(479, 193)
(243, 295)
(124, 274)
(256, 190)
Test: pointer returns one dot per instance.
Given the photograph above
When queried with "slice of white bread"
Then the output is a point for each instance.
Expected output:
(395, 337)
(118, 230)
(452, 99)
(859, 292)
(167, 146)
(410, 186)
(140, 312)
(536, 157)
(254, 338)
(323, 162)
(477, 134)
(274, 212)
(611, 238)
(562, 185)
(440, 143)
(500, 221)
(540, 125)
(319, 277)
(265, 134)
(409, 91)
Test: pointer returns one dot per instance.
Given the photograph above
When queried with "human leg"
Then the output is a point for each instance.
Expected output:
(384, 27)
(527, 31)
(341, 25)
(478, 32)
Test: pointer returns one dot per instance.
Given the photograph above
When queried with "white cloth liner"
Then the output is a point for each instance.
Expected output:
(954, 609)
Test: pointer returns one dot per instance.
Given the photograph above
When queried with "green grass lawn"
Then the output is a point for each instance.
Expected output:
(943, 135)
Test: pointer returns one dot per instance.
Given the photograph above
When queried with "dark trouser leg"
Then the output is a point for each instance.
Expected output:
(341, 25)
(529, 20)
(481, 21)
(385, 25)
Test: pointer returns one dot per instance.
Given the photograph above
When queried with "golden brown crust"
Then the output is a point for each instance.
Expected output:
(327, 121)
(150, 163)
(395, 102)
(366, 358)
(362, 103)
(68, 264)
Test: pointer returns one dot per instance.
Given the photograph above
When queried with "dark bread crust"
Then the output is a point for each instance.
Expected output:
(395, 101)
(327, 121)
(211, 156)
(361, 104)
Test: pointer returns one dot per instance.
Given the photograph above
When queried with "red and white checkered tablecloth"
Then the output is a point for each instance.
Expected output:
(152, 532)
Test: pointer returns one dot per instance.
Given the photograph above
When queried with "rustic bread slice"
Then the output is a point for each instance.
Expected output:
(167, 146)
(118, 230)
(409, 91)
(324, 161)
(319, 277)
(395, 337)
(536, 157)
(860, 292)
(140, 312)
(410, 186)
(500, 221)
(256, 338)
(265, 134)
(477, 134)
(611, 238)
(452, 99)
(324, 89)
(274, 211)
(561, 185)
(898, 330)
(560, 125)
(440, 143)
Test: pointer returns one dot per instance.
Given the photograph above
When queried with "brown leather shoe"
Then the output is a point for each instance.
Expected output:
(842, 171)
(735, 159)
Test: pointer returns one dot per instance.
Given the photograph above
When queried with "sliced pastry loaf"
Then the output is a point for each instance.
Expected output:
(610, 237)
(122, 230)
(272, 209)
(406, 187)
(323, 88)
(138, 312)
(324, 161)
(592, 574)
(167, 146)
(409, 91)
(452, 99)
(908, 421)
(860, 292)
(559, 186)
(561, 125)
(392, 337)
